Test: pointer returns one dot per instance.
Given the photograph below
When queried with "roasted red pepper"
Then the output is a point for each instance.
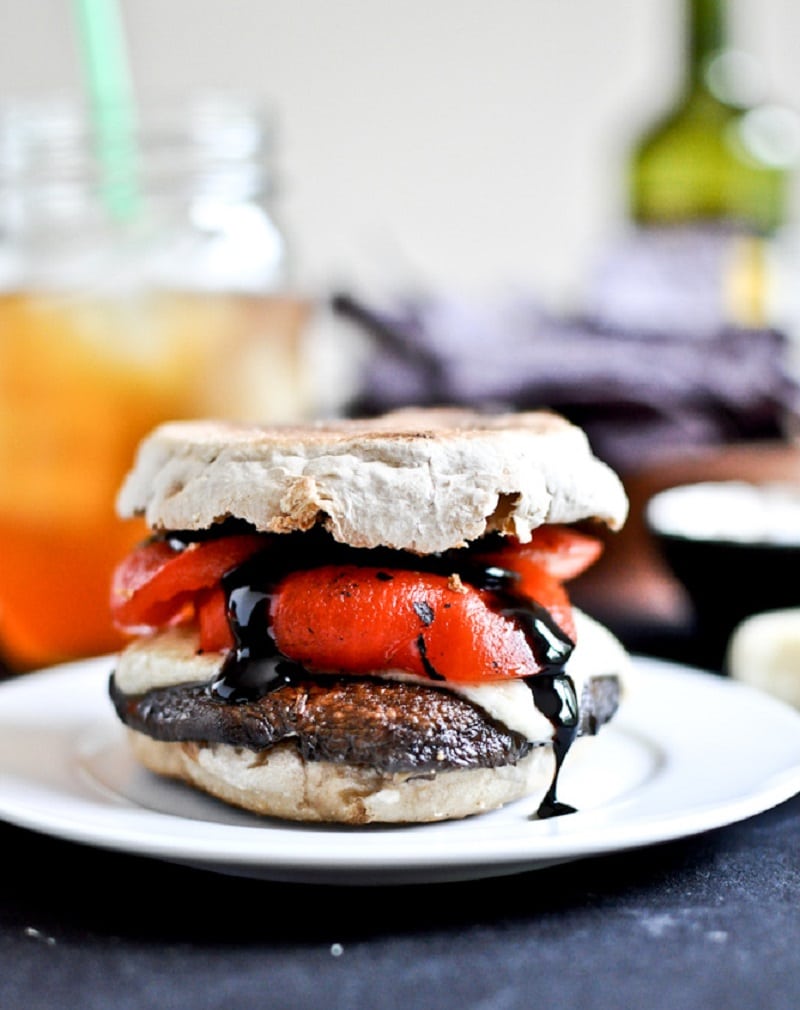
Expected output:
(157, 584)
(361, 619)
(562, 551)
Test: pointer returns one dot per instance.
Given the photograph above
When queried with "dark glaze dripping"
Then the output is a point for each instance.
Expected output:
(554, 695)
(553, 690)
(255, 666)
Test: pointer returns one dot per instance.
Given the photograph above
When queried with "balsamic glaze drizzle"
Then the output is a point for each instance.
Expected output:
(256, 666)
(553, 689)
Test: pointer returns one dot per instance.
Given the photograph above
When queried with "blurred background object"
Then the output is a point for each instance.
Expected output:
(578, 205)
(638, 589)
(449, 145)
(734, 547)
(709, 186)
(143, 276)
(764, 651)
(639, 393)
(676, 339)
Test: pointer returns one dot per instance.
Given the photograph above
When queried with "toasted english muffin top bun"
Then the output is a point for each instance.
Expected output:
(415, 480)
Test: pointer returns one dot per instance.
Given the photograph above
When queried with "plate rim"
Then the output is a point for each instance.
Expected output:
(485, 847)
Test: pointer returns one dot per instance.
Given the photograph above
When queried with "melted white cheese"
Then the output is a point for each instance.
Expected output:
(171, 658)
(597, 652)
(511, 702)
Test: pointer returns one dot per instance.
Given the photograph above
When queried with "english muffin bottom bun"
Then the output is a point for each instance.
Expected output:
(367, 621)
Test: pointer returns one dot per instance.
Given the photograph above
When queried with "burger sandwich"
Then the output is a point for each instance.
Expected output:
(366, 620)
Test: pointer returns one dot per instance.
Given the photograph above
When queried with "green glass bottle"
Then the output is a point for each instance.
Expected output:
(705, 161)
(718, 164)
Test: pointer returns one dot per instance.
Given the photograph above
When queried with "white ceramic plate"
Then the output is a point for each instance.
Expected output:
(688, 752)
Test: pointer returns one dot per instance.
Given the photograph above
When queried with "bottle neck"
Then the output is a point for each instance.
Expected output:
(706, 35)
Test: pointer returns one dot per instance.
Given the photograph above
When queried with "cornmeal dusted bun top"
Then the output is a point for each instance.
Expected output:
(418, 480)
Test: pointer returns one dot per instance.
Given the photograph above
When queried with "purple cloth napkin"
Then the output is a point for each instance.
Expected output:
(636, 393)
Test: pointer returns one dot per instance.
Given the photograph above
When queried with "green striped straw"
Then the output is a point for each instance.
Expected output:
(107, 75)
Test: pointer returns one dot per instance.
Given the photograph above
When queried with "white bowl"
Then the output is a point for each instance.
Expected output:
(735, 548)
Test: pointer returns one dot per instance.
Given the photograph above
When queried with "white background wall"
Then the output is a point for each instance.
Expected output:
(458, 143)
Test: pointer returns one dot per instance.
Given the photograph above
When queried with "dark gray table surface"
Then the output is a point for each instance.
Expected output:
(705, 923)
(711, 923)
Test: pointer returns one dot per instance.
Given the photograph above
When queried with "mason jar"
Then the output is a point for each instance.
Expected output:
(144, 276)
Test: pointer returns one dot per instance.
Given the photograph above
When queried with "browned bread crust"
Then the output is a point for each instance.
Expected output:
(279, 783)
(417, 480)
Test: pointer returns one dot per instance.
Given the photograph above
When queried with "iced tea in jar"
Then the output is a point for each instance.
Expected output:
(147, 288)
